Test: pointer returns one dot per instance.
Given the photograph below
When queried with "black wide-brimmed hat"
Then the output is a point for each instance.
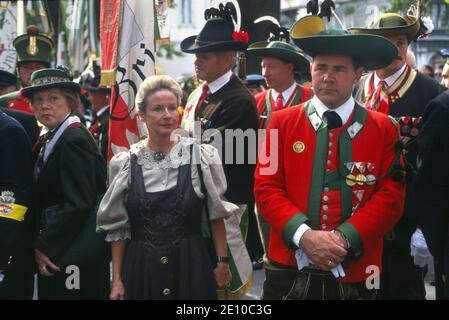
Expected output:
(33, 47)
(372, 51)
(216, 35)
(7, 79)
(50, 78)
(280, 50)
(390, 24)
(91, 80)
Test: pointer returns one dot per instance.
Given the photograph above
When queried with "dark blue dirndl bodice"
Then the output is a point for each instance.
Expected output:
(167, 256)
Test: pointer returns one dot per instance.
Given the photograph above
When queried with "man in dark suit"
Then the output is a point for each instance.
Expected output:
(99, 98)
(431, 187)
(401, 92)
(223, 103)
(16, 178)
(8, 83)
(27, 121)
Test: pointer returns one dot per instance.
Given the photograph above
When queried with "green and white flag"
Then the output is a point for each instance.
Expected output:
(80, 34)
(8, 31)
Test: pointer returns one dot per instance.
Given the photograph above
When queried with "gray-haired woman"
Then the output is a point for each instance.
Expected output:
(69, 178)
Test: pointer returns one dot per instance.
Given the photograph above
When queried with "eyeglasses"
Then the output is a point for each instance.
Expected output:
(173, 109)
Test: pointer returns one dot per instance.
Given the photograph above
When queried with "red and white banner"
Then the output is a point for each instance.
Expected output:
(109, 32)
(134, 62)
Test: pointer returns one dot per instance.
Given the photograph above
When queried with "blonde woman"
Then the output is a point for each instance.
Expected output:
(154, 206)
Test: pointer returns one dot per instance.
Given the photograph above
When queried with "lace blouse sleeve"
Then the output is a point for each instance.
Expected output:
(112, 216)
(214, 182)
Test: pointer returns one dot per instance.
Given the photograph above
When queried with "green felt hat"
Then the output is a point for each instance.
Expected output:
(51, 78)
(372, 51)
(280, 50)
(389, 24)
(33, 47)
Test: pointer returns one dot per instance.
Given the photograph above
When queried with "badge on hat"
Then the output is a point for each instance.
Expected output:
(32, 48)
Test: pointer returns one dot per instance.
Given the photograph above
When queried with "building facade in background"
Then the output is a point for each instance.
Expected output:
(356, 13)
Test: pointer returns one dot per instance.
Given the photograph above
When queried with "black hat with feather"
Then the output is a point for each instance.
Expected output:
(218, 33)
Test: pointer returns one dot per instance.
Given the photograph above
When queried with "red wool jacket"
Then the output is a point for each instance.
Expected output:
(302, 94)
(310, 183)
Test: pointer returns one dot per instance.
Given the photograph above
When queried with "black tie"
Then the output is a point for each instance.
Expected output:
(40, 146)
(332, 119)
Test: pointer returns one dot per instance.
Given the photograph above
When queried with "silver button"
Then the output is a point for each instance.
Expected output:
(325, 207)
(323, 226)
(166, 292)
(328, 162)
(325, 198)
(325, 217)
(329, 153)
(326, 189)
(331, 135)
(330, 144)
(164, 260)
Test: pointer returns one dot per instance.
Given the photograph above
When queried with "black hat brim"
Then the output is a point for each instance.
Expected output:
(96, 89)
(372, 51)
(22, 62)
(189, 45)
(29, 91)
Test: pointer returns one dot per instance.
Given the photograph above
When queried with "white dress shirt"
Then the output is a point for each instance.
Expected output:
(101, 111)
(344, 111)
(218, 83)
(286, 94)
(391, 79)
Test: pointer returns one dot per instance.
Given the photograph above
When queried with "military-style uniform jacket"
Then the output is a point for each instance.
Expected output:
(68, 185)
(231, 107)
(28, 122)
(16, 180)
(335, 179)
(264, 103)
(408, 97)
(15, 101)
(100, 130)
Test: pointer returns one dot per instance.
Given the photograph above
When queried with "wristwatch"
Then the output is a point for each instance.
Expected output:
(222, 259)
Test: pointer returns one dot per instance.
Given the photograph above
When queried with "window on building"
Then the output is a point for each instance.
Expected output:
(186, 12)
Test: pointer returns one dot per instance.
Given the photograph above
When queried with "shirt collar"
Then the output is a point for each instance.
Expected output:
(101, 111)
(70, 119)
(344, 111)
(217, 84)
(391, 79)
(285, 94)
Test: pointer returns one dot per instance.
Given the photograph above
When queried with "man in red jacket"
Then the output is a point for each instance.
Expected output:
(334, 183)
(33, 53)
(280, 61)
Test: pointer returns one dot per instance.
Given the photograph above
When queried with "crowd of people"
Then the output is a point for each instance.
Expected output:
(357, 144)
